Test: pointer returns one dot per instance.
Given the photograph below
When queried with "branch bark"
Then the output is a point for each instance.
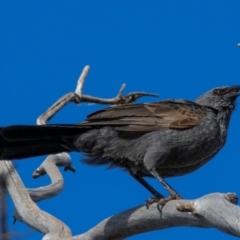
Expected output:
(210, 211)
(26, 210)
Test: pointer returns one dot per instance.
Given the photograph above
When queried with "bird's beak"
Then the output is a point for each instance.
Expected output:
(233, 89)
(232, 92)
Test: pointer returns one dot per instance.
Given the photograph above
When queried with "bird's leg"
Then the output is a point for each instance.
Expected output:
(147, 186)
(153, 191)
(152, 159)
(173, 193)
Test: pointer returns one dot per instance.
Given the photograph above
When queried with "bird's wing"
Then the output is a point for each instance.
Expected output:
(168, 114)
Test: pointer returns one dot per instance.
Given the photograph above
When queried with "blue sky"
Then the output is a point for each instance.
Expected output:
(179, 49)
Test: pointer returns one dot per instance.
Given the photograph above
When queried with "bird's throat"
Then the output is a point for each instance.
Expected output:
(223, 118)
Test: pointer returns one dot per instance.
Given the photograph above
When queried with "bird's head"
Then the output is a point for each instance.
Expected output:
(220, 97)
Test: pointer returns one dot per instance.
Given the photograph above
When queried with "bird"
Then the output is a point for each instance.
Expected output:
(162, 139)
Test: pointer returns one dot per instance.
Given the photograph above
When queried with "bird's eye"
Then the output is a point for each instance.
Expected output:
(216, 91)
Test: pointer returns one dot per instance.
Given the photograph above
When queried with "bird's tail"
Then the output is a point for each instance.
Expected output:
(21, 141)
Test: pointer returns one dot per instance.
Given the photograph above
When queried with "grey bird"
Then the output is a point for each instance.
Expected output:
(162, 139)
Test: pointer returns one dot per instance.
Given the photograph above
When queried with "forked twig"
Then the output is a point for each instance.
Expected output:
(78, 97)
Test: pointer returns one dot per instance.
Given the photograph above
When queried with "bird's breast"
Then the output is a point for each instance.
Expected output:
(192, 149)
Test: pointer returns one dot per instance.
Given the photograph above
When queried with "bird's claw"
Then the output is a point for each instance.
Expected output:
(150, 201)
(162, 202)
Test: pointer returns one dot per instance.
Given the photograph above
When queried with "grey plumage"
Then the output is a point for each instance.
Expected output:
(164, 139)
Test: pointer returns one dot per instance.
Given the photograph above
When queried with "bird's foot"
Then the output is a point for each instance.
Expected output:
(162, 202)
(150, 201)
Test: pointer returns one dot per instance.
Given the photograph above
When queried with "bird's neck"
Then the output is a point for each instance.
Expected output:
(223, 118)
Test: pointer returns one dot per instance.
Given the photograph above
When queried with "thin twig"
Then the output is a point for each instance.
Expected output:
(129, 98)
(81, 81)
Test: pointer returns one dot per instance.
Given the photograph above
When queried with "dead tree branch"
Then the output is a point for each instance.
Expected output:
(210, 211)
(26, 210)
(78, 97)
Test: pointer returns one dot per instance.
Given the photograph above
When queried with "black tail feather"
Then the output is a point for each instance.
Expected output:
(20, 141)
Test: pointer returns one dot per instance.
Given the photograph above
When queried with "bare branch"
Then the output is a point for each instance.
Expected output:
(26, 210)
(209, 211)
(78, 97)
(49, 167)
